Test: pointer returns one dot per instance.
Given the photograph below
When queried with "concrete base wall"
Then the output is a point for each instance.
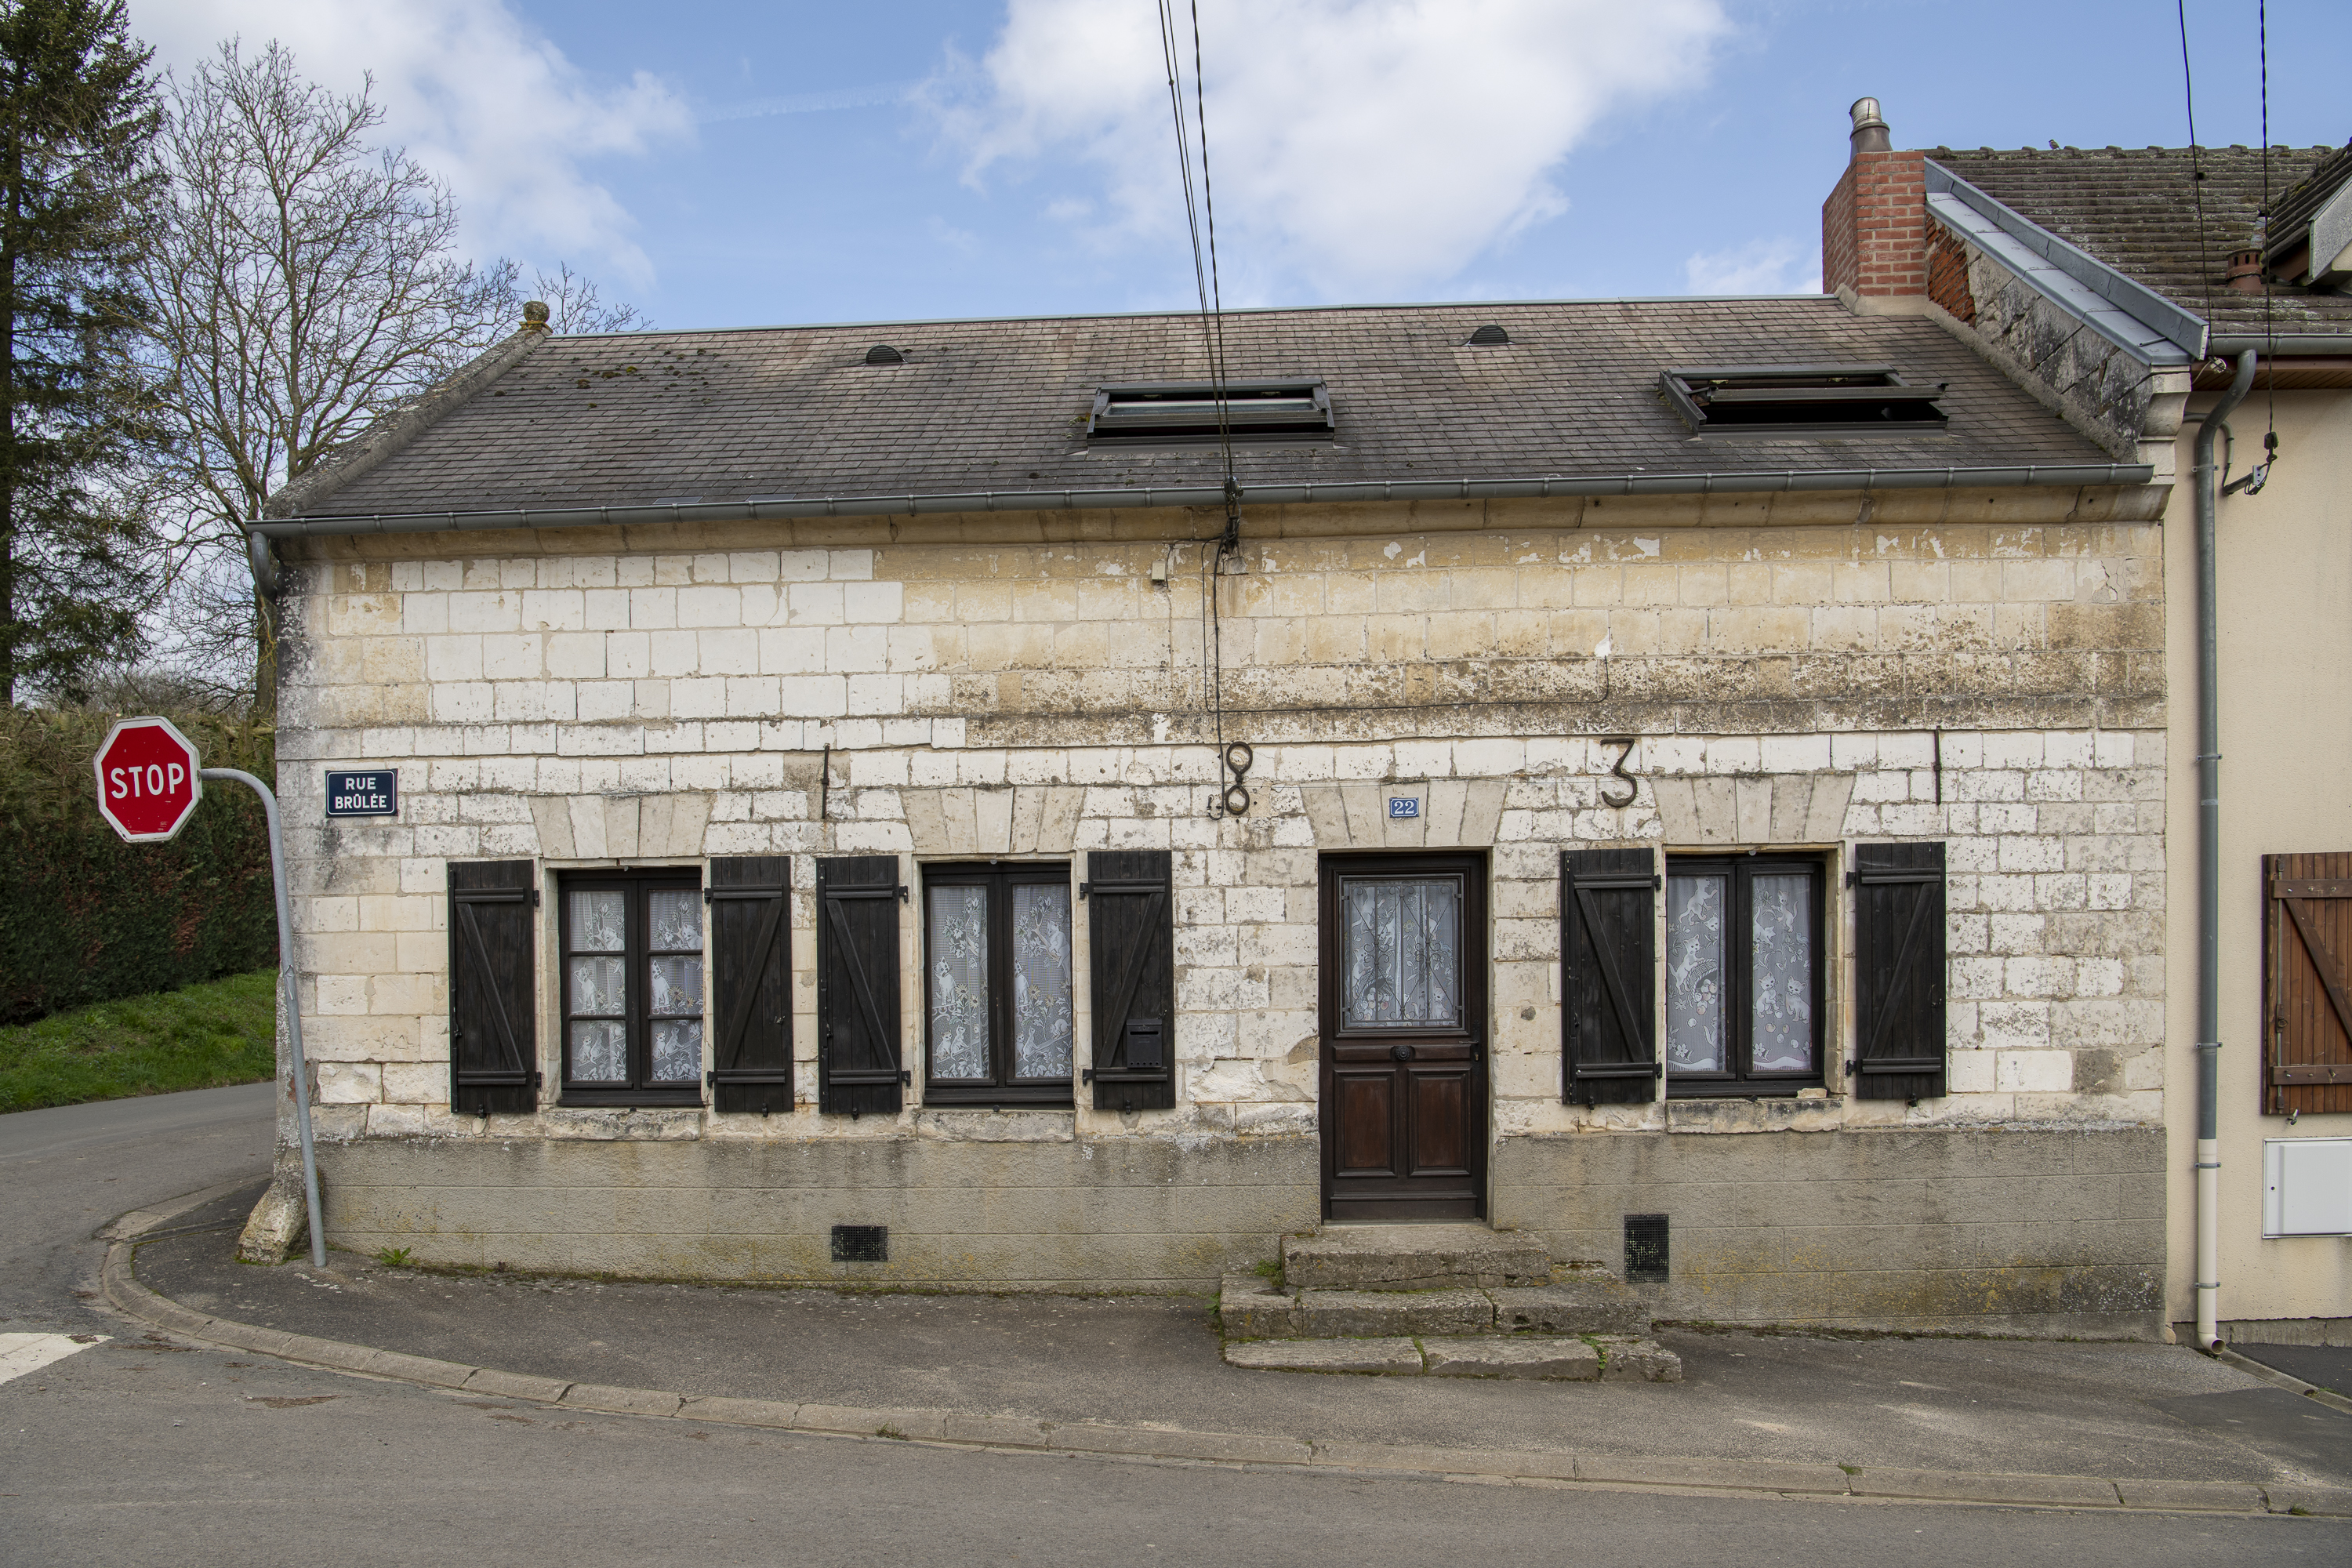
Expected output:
(2043, 1233)
(2056, 1232)
(2330, 1331)
(1101, 1214)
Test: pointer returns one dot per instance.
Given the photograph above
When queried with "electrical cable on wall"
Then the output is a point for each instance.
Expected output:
(1212, 342)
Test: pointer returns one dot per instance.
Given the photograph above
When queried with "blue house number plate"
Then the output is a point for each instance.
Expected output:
(374, 794)
(1403, 805)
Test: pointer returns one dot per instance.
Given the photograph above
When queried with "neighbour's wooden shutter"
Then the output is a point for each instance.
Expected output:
(2306, 992)
(493, 1046)
(1132, 932)
(750, 983)
(1609, 911)
(858, 986)
(1898, 948)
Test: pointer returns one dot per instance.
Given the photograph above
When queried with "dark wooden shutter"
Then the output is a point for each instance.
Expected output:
(2306, 995)
(1898, 948)
(1609, 911)
(751, 983)
(1132, 932)
(857, 985)
(493, 1046)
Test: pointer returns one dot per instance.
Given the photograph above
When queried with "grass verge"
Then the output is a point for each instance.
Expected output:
(224, 1031)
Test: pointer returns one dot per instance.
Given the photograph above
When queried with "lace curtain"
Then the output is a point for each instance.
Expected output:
(675, 992)
(958, 982)
(600, 924)
(1694, 953)
(1041, 980)
(1402, 964)
(1781, 973)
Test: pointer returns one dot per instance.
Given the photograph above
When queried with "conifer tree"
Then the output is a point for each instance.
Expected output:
(77, 116)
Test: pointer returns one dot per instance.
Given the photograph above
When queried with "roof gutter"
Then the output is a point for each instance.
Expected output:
(1738, 482)
(2282, 345)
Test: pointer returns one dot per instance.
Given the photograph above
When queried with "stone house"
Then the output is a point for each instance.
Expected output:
(2085, 275)
(1684, 779)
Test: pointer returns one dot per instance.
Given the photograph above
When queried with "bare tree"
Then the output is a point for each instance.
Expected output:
(573, 308)
(305, 282)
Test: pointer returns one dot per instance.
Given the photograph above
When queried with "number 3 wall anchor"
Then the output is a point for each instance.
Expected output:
(1617, 769)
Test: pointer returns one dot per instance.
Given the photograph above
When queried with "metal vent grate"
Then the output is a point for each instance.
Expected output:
(883, 354)
(1645, 1247)
(861, 1244)
(1489, 336)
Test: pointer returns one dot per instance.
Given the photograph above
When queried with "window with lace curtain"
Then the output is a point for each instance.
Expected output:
(1743, 975)
(997, 993)
(633, 992)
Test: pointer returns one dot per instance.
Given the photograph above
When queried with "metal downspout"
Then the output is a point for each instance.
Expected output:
(2209, 874)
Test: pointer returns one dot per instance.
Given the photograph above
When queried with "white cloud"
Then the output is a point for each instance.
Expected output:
(1760, 267)
(1365, 146)
(477, 94)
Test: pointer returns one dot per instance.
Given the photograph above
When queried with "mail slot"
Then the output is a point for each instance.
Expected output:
(1144, 1052)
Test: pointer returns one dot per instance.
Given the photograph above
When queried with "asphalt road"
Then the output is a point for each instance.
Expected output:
(69, 1171)
(135, 1451)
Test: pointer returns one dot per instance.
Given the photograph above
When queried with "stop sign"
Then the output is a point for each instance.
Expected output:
(147, 784)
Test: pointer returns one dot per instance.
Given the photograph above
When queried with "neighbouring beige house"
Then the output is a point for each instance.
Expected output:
(1684, 779)
(2085, 274)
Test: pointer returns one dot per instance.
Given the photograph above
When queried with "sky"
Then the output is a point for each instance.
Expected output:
(725, 163)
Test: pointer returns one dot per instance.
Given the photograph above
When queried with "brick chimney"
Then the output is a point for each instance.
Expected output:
(1874, 225)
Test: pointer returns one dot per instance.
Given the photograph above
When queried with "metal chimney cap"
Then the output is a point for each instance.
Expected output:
(1870, 134)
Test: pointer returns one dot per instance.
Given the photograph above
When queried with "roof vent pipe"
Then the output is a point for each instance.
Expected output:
(1869, 131)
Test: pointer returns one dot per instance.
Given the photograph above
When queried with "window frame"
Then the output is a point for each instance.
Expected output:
(1466, 1027)
(639, 884)
(1742, 1081)
(1183, 413)
(1001, 1087)
(1781, 402)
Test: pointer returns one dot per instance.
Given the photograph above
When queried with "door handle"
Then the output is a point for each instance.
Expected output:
(1401, 1053)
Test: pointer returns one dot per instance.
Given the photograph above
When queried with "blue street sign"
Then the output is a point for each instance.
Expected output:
(372, 794)
(1403, 805)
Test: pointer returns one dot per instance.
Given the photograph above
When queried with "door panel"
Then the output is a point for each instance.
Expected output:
(1364, 1122)
(1438, 1136)
(1403, 968)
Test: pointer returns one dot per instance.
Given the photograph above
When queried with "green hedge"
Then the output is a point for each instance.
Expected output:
(87, 918)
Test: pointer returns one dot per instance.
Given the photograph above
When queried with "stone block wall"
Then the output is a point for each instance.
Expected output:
(1793, 672)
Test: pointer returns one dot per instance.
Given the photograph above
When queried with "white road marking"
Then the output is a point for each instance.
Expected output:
(21, 1353)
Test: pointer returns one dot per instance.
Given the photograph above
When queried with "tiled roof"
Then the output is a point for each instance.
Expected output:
(2137, 210)
(1002, 406)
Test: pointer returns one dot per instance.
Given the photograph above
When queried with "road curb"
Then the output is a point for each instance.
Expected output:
(1748, 1477)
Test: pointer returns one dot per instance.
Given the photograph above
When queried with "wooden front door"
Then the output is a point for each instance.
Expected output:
(1403, 965)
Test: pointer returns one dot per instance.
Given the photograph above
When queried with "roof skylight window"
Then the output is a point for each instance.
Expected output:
(1802, 400)
(1157, 414)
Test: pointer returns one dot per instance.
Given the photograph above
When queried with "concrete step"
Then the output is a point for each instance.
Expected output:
(1413, 1258)
(1601, 1359)
(1586, 1301)
(1583, 1300)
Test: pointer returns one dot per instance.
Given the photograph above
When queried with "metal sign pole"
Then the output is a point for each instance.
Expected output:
(292, 992)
